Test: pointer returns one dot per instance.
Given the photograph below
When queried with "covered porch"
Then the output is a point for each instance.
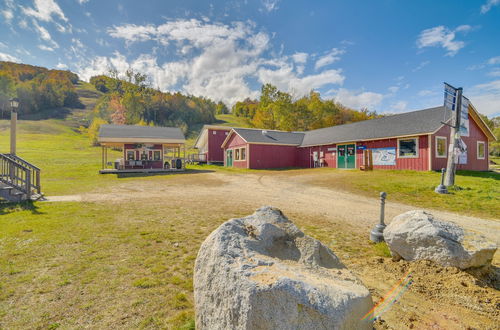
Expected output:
(144, 149)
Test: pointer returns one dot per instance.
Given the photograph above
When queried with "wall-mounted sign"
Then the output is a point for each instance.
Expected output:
(384, 156)
(361, 147)
(332, 149)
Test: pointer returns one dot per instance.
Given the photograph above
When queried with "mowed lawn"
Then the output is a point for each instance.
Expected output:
(129, 264)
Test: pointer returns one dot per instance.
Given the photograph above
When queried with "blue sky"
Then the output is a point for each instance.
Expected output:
(387, 55)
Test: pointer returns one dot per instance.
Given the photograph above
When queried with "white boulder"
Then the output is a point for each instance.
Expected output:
(262, 272)
(417, 235)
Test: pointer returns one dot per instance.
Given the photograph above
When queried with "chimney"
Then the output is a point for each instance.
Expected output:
(13, 124)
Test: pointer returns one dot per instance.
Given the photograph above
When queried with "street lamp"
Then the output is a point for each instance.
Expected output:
(14, 104)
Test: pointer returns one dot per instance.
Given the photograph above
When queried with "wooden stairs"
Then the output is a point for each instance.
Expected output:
(19, 180)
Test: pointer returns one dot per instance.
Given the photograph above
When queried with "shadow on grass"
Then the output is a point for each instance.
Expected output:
(140, 175)
(7, 207)
(486, 175)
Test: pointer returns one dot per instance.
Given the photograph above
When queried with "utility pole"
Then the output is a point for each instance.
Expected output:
(449, 179)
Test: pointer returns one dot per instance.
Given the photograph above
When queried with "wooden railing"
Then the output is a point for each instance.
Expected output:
(20, 174)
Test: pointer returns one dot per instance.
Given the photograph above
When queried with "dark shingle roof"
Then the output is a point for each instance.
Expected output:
(269, 136)
(410, 123)
(141, 132)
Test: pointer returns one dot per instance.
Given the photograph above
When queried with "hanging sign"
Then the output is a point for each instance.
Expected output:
(450, 103)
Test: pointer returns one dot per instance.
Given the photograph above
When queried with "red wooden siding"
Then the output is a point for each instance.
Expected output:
(473, 164)
(305, 156)
(150, 164)
(272, 156)
(215, 153)
(235, 141)
(419, 164)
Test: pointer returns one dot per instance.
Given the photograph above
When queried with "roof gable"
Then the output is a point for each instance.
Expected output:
(410, 123)
(128, 132)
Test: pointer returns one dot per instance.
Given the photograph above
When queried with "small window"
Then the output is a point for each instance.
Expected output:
(130, 155)
(144, 155)
(214, 133)
(236, 154)
(441, 146)
(157, 155)
(243, 153)
(408, 148)
(226, 133)
(481, 150)
(341, 151)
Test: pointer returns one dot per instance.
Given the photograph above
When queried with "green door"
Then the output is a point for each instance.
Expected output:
(341, 156)
(229, 158)
(351, 156)
(346, 156)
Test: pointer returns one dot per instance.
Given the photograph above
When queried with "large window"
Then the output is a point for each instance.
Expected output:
(243, 153)
(481, 150)
(130, 154)
(408, 148)
(441, 142)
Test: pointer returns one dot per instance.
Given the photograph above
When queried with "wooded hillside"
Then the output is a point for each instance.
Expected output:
(37, 88)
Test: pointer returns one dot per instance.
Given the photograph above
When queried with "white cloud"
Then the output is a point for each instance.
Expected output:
(300, 58)
(441, 36)
(215, 60)
(486, 97)
(427, 92)
(329, 58)
(46, 48)
(8, 15)
(45, 35)
(270, 5)
(44, 10)
(494, 73)
(494, 60)
(421, 66)
(8, 58)
(393, 89)
(82, 1)
(61, 66)
(356, 100)
(399, 106)
(487, 6)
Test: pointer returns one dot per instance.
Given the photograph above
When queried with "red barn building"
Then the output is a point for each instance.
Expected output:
(209, 144)
(415, 140)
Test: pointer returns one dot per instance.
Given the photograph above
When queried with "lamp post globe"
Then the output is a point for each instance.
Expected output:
(14, 104)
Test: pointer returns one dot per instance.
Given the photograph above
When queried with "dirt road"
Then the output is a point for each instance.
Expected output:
(289, 193)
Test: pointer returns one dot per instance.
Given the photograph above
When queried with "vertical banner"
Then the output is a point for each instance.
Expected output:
(450, 103)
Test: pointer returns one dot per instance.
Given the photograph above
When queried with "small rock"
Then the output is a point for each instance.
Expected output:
(416, 235)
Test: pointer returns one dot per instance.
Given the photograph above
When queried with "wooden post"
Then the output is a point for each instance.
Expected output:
(13, 126)
(451, 166)
(102, 154)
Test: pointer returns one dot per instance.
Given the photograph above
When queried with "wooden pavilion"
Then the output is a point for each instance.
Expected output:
(145, 149)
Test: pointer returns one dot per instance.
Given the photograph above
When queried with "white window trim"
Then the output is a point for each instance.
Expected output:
(416, 147)
(243, 159)
(445, 146)
(126, 152)
(477, 149)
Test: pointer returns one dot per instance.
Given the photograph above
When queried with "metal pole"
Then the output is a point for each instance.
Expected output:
(451, 166)
(376, 235)
(13, 125)
(441, 189)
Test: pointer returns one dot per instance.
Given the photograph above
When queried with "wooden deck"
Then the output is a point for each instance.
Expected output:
(140, 170)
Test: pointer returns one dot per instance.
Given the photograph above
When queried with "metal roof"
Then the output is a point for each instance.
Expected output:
(270, 136)
(405, 124)
(107, 132)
